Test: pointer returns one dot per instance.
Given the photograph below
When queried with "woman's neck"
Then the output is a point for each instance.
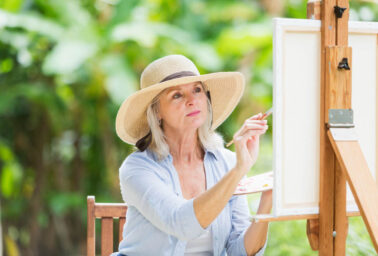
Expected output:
(185, 148)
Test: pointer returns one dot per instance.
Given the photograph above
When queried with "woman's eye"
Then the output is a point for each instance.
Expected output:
(198, 89)
(176, 95)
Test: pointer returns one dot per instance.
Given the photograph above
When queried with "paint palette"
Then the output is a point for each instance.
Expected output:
(255, 184)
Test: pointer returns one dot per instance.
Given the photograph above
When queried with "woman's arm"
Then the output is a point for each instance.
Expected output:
(209, 204)
(255, 236)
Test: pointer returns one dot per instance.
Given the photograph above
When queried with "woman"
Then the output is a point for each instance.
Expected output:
(179, 185)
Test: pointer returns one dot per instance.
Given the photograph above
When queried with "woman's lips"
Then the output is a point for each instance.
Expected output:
(193, 113)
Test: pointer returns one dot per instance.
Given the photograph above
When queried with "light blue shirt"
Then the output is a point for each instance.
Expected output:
(159, 221)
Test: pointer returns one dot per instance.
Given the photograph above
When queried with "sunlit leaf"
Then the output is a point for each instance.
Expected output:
(146, 33)
(11, 246)
(70, 12)
(241, 39)
(16, 39)
(30, 22)
(68, 56)
(11, 5)
(120, 80)
(229, 11)
(11, 173)
(204, 55)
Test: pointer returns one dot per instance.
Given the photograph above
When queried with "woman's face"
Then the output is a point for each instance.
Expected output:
(183, 107)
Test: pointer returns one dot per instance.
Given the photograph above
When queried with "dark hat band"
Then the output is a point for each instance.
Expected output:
(178, 74)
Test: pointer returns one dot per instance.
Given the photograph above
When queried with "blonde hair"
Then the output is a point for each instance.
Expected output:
(208, 139)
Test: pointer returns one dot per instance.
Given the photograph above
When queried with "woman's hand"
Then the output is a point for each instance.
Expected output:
(246, 141)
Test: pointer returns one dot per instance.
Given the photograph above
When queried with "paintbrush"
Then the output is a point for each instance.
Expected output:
(265, 115)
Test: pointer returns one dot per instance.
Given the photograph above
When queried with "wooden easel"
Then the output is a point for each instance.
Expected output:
(341, 158)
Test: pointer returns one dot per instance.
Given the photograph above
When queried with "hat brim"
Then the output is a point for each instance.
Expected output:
(226, 89)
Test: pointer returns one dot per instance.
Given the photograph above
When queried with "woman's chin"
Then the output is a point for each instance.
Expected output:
(196, 124)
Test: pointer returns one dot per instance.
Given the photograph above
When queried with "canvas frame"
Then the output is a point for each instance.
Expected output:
(296, 60)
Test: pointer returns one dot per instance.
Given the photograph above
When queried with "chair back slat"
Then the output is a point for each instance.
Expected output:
(122, 221)
(106, 212)
(106, 236)
(91, 231)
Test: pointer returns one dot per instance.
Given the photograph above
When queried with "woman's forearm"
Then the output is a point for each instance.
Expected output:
(255, 237)
(209, 204)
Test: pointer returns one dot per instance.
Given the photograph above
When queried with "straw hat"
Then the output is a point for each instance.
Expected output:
(226, 89)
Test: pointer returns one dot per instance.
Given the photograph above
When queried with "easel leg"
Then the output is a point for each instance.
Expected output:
(326, 199)
(361, 182)
(341, 220)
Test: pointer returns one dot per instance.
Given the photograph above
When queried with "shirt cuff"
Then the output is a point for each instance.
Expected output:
(191, 225)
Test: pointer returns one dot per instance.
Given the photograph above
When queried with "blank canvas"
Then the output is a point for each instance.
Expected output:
(296, 101)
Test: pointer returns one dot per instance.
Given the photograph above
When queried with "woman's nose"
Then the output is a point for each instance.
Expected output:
(191, 99)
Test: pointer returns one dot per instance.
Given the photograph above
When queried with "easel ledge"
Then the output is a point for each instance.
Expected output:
(271, 218)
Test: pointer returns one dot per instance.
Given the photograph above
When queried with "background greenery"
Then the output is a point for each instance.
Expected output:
(65, 67)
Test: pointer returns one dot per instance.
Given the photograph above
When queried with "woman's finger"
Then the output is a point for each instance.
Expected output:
(249, 133)
(246, 136)
(256, 117)
(253, 126)
(252, 122)
(256, 121)
(255, 132)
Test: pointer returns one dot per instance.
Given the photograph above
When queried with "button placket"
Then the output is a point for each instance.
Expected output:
(175, 176)
(208, 176)
(209, 183)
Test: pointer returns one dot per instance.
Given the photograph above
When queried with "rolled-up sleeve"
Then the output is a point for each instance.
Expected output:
(142, 188)
(240, 223)
(240, 216)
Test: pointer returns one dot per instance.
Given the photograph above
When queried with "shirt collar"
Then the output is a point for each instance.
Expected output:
(211, 151)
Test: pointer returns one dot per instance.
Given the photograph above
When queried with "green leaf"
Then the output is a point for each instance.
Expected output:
(11, 173)
(120, 81)
(63, 202)
(31, 22)
(11, 5)
(241, 39)
(68, 56)
(147, 33)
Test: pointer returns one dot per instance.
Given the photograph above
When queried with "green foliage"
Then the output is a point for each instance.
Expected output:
(11, 173)
(64, 202)
(358, 240)
(288, 238)
(65, 68)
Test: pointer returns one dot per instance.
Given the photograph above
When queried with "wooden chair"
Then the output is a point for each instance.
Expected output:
(106, 212)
